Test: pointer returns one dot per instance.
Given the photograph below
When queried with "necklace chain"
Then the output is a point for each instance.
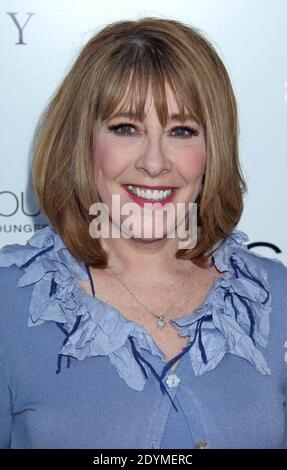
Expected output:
(161, 321)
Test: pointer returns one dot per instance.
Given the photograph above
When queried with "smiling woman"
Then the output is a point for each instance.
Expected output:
(164, 347)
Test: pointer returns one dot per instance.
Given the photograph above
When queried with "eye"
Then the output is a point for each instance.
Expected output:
(121, 129)
(190, 130)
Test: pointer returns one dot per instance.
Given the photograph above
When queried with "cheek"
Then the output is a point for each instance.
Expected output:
(109, 160)
(192, 165)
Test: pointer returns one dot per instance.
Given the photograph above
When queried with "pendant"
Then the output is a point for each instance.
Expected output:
(161, 323)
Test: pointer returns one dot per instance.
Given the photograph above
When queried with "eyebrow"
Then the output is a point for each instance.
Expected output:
(174, 116)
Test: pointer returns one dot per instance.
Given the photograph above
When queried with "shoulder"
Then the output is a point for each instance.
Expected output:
(38, 280)
(16, 272)
(9, 277)
(257, 266)
(257, 286)
(273, 274)
(14, 301)
(274, 268)
(13, 261)
(14, 314)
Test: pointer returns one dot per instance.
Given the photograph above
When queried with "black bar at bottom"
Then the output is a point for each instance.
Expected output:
(125, 458)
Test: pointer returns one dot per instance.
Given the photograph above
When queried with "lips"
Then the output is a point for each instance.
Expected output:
(145, 186)
(155, 203)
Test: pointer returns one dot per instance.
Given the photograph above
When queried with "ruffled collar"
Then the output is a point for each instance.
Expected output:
(234, 318)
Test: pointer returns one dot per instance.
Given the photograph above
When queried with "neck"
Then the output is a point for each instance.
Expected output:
(147, 258)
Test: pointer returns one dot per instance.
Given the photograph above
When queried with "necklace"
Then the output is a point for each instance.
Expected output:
(160, 319)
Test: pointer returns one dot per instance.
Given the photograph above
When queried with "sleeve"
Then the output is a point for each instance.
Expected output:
(277, 274)
(5, 412)
(285, 431)
(283, 326)
(5, 389)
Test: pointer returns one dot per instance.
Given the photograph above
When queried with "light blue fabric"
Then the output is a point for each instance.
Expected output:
(40, 282)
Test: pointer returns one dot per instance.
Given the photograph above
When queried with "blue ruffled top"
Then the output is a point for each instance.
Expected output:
(233, 319)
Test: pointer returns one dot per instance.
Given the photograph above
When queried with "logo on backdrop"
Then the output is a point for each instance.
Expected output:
(18, 205)
(265, 245)
(20, 25)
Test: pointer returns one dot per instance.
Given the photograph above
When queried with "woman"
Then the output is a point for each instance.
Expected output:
(132, 341)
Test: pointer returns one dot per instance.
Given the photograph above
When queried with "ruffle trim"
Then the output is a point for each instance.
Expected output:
(234, 317)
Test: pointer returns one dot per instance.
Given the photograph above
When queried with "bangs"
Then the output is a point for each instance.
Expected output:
(130, 78)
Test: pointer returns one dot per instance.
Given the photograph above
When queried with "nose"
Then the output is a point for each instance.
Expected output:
(153, 160)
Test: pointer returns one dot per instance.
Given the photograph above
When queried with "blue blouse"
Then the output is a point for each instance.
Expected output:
(90, 378)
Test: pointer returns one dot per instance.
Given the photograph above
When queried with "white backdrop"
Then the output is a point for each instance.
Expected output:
(39, 40)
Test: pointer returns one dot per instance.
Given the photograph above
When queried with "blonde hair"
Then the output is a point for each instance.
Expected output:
(139, 52)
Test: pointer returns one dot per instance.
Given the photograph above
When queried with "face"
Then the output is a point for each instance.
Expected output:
(131, 156)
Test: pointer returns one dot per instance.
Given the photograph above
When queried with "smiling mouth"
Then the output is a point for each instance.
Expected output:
(160, 193)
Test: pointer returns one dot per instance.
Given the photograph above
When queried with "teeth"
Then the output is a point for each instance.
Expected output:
(154, 195)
